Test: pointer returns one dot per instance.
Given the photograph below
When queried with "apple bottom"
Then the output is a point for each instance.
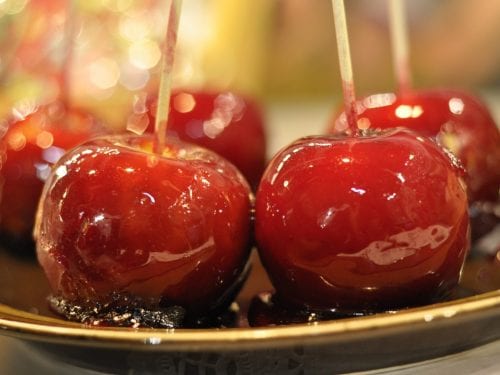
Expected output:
(349, 285)
(127, 310)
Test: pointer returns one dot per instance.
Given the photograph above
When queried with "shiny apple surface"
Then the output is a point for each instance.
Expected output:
(171, 228)
(365, 223)
(457, 120)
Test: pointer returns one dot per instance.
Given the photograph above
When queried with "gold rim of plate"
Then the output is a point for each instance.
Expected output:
(16, 322)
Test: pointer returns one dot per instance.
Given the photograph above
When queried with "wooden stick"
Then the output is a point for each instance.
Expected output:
(399, 40)
(68, 48)
(164, 91)
(345, 65)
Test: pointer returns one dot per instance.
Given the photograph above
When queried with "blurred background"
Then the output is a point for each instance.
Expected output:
(274, 50)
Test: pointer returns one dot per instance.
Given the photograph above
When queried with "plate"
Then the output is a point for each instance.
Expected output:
(354, 344)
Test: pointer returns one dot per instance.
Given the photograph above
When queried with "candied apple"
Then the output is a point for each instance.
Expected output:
(118, 222)
(457, 120)
(365, 223)
(224, 122)
(31, 144)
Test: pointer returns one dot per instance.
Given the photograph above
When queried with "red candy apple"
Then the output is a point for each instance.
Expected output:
(31, 144)
(117, 219)
(457, 120)
(362, 223)
(224, 122)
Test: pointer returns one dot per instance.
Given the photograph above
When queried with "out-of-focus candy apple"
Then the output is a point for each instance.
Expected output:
(32, 142)
(224, 122)
(457, 120)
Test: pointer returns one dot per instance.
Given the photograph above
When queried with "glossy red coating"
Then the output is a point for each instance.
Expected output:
(458, 121)
(116, 218)
(365, 223)
(224, 122)
(29, 147)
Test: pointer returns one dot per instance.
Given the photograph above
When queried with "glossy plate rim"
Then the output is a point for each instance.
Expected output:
(22, 324)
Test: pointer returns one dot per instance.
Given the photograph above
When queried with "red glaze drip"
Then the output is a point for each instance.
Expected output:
(115, 218)
(367, 223)
(457, 120)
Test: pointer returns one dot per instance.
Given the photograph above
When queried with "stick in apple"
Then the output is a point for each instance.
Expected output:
(67, 46)
(168, 53)
(399, 40)
(345, 65)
